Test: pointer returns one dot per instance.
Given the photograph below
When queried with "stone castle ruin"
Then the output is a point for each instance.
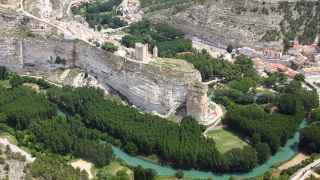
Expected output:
(141, 52)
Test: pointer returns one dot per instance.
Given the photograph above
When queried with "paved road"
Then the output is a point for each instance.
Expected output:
(217, 120)
(305, 172)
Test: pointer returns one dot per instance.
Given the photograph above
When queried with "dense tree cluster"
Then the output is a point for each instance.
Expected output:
(168, 39)
(50, 166)
(101, 13)
(253, 122)
(22, 107)
(183, 146)
(65, 136)
(293, 98)
(37, 125)
(106, 174)
(270, 124)
(144, 174)
(310, 138)
(274, 80)
(315, 115)
(16, 81)
(210, 67)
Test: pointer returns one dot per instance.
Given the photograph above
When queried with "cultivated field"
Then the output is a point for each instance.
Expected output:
(225, 140)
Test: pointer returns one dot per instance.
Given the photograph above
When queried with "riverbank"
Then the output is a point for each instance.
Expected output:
(294, 161)
(286, 153)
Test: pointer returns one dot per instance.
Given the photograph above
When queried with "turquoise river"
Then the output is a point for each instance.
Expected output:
(284, 154)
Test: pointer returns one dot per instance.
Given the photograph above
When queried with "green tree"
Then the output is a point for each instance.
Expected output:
(144, 174)
(263, 151)
(129, 40)
(230, 48)
(299, 77)
(3, 73)
(315, 115)
(310, 138)
(131, 148)
(49, 166)
(179, 174)
(110, 47)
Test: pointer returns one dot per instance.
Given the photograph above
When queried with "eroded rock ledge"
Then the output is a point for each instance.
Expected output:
(160, 86)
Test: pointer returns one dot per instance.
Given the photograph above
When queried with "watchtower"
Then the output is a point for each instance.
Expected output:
(155, 52)
(197, 102)
(141, 52)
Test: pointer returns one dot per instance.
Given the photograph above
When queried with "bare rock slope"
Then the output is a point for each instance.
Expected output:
(244, 22)
(161, 86)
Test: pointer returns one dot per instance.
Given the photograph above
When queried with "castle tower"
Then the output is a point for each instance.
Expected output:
(197, 102)
(155, 52)
(141, 52)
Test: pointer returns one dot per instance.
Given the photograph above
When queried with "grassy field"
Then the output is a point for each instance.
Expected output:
(115, 167)
(5, 84)
(225, 140)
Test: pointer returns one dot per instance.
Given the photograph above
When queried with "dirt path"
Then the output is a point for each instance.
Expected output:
(294, 161)
(83, 165)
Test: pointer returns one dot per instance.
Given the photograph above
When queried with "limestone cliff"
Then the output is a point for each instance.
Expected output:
(244, 22)
(160, 86)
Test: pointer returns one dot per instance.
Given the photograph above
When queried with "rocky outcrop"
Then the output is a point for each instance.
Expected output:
(223, 22)
(161, 86)
(198, 102)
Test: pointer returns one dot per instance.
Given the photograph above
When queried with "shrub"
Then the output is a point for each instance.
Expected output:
(110, 47)
(179, 174)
